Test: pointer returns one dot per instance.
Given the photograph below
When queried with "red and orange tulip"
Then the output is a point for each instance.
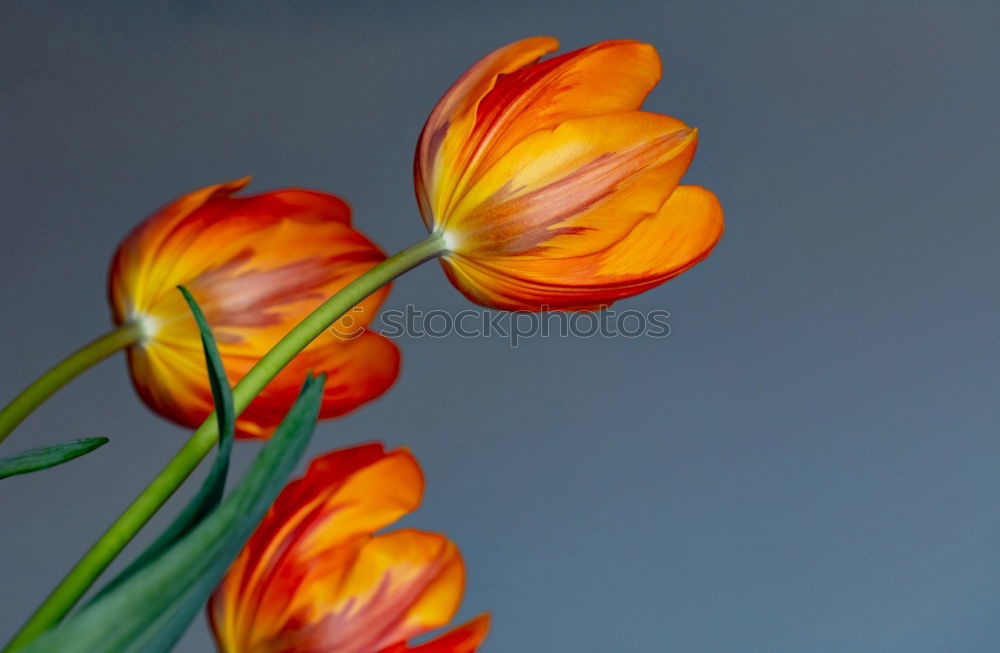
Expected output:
(551, 188)
(257, 265)
(313, 577)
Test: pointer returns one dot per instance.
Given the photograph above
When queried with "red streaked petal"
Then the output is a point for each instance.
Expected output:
(451, 121)
(464, 639)
(365, 596)
(608, 77)
(305, 204)
(140, 249)
(400, 586)
(358, 370)
(595, 177)
(678, 236)
(342, 495)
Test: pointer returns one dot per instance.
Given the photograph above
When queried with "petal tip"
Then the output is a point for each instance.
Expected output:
(547, 43)
(236, 185)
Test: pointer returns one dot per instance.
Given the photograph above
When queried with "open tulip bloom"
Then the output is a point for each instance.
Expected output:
(543, 185)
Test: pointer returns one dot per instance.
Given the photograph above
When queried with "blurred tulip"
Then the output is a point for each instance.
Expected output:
(313, 577)
(551, 189)
(257, 265)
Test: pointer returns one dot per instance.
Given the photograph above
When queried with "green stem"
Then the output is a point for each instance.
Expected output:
(100, 555)
(65, 371)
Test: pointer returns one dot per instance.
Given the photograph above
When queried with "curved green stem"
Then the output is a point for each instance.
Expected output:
(86, 571)
(62, 373)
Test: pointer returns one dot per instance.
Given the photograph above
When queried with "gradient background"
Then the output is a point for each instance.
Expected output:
(810, 461)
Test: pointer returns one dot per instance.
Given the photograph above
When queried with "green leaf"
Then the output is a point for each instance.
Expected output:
(208, 497)
(150, 611)
(33, 460)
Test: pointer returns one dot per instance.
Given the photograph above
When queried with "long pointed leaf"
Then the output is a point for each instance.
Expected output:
(150, 611)
(34, 460)
(210, 493)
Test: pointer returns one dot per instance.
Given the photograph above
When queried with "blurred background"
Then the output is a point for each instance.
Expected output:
(809, 462)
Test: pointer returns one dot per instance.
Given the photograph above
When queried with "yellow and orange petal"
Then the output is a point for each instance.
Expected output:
(675, 238)
(465, 639)
(256, 265)
(551, 188)
(313, 577)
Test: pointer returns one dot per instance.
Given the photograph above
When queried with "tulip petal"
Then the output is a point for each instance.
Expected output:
(608, 77)
(679, 235)
(574, 189)
(682, 233)
(153, 259)
(369, 487)
(464, 639)
(357, 599)
(400, 586)
(342, 495)
(453, 118)
(358, 370)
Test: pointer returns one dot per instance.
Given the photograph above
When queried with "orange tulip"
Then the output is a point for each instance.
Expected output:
(257, 265)
(550, 188)
(313, 578)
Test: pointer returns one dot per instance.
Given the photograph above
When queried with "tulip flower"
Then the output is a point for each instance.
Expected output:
(256, 265)
(551, 189)
(314, 578)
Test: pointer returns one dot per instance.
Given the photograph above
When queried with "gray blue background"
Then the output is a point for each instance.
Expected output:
(811, 460)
